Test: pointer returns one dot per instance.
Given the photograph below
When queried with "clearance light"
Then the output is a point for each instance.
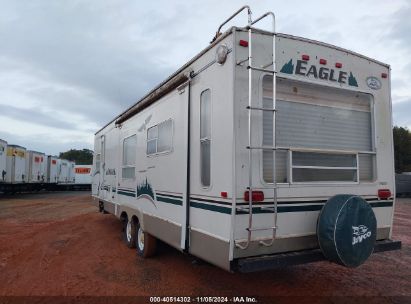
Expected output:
(338, 65)
(305, 57)
(257, 196)
(323, 61)
(224, 194)
(384, 193)
(384, 75)
(243, 43)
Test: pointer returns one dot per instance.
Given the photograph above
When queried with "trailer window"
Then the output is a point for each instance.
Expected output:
(205, 137)
(329, 132)
(129, 157)
(160, 138)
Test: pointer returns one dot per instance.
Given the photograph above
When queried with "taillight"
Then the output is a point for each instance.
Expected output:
(384, 193)
(243, 43)
(257, 196)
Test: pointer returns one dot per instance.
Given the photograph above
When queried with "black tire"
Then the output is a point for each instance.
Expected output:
(146, 247)
(129, 232)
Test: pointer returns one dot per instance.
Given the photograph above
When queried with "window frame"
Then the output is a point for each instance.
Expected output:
(122, 159)
(290, 150)
(205, 139)
(171, 148)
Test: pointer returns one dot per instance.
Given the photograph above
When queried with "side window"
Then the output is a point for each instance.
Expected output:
(205, 137)
(129, 157)
(160, 138)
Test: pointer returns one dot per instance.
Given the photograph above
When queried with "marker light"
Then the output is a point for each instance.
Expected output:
(384, 193)
(257, 196)
(338, 65)
(323, 61)
(305, 57)
(384, 75)
(243, 43)
(224, 194)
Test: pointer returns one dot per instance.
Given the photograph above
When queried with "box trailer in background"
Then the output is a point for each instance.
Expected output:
(63, 171)
(52, 169)
(16, 164)
(83, 177)
(3, 160)
(36, 167)
(403, 184)
(71, 173)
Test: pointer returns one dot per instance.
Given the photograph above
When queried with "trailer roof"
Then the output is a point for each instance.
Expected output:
(173, 76)
(36, 152)
(16, 146)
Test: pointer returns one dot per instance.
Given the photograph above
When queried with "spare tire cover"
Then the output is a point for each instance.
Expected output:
(347, 230)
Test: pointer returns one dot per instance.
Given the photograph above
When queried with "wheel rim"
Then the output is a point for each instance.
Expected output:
(140, 239)
(128, 231)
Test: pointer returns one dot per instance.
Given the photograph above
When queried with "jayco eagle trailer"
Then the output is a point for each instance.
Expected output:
(265, 149)
(36, 167)
(16, 164)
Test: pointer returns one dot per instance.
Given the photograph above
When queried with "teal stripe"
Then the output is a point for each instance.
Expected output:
(126, 193)
(281, 209)
(169, 200)
(126, 190)
(382, 204)
(215, 208)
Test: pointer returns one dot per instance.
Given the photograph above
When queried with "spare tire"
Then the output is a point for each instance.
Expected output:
(347, 230)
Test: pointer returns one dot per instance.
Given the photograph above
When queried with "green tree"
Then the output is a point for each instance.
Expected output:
(402, 149)
(80, 157)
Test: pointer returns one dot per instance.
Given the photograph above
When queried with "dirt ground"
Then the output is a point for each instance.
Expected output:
(57, 244)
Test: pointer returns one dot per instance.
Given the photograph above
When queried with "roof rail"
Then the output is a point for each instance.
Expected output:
(218, 33)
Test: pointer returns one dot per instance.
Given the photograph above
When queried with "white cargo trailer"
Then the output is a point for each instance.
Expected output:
(71, 173)
(16, 164)
(3, 160)
(192, 162)
(36, 167)
(52, 169)
(83, 174)
(63, 171)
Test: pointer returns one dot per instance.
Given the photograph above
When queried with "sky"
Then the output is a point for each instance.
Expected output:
(69, 67)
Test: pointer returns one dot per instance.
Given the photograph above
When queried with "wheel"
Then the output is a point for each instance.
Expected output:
(129, 232)
(146, 243)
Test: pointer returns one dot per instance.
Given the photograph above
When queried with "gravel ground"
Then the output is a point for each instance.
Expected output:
(57, 244)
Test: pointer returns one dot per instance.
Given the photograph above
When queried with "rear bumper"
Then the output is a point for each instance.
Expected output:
(267, 262)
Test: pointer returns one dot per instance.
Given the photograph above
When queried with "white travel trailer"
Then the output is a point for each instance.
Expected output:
(16, 164)
(3, 158)
(192, 162)
(36, 167)
(83, 174)
(52, 169)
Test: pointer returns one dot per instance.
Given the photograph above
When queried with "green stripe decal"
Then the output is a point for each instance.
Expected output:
(382, 204)
(169, 200)
(215, 208)
(281, 209)
(126, 193)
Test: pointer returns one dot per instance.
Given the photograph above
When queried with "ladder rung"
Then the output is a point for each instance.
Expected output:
(261, 69)
(261, 109)
(243, 209)
(268, 208)
(262, 229)
(262, 148)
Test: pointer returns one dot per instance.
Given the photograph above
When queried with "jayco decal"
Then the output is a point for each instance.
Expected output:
(302, 68)
(359, 234)
(373, 83)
